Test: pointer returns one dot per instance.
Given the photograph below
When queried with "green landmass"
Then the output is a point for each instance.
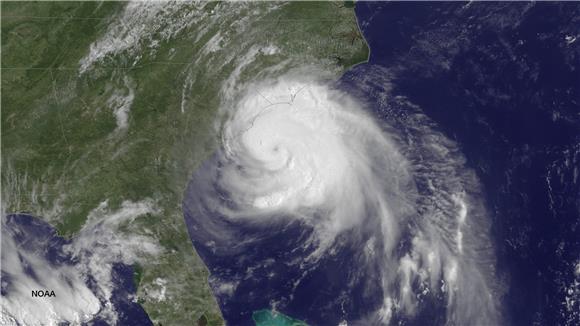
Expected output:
(64, 150)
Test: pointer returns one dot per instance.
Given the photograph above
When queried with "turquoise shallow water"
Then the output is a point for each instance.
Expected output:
(272, 318)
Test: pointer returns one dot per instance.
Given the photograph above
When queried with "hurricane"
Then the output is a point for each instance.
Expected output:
(311, 185)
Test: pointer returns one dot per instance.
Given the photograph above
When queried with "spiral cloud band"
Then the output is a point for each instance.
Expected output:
(304, 147)
(305, 177)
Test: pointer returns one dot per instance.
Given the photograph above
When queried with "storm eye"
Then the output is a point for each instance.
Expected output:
(324, 179)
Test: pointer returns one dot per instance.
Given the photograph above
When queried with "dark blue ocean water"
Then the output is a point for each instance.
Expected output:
(37, 237)
(503, 80)
(260, 262)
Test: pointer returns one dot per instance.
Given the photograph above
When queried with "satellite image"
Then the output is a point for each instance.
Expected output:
(269, 163)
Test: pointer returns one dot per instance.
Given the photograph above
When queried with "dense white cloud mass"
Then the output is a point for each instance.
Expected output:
(294, 147)
(302, 146)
